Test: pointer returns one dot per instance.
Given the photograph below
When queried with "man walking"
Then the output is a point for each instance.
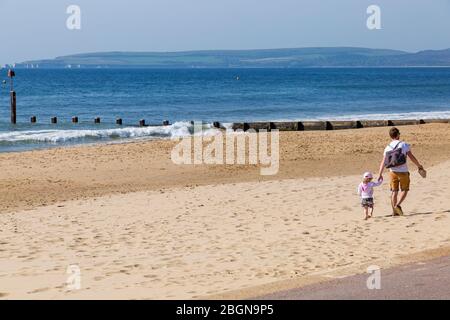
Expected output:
(395, 158)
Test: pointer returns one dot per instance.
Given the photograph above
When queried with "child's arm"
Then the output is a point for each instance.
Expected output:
(359, 191)
(378, 183)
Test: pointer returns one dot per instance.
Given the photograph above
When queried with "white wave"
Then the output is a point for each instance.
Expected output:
(379, 116)
(227, 126)
(178, 129)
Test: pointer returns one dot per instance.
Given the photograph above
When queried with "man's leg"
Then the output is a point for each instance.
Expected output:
(403, 195)
(404, 186)
(394, 199)
(395, 186)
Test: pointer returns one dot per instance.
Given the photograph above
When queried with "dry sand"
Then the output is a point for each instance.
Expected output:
(40, 178)
(178, 240)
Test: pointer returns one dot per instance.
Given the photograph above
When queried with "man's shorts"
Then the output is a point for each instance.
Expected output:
(400, 181)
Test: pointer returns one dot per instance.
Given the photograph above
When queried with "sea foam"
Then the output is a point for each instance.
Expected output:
(176, 130)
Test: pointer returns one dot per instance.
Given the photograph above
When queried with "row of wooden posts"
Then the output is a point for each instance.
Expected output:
(289, 125)
(119, 121)
(329, 125)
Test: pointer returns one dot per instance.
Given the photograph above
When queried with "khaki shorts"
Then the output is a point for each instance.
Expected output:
(400, 181)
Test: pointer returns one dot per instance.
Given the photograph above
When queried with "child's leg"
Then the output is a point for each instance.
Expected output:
(371, 211)
(366, 211)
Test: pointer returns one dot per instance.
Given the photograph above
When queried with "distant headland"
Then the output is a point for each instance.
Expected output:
(269, 58)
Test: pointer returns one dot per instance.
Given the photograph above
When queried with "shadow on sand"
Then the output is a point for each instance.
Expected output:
(417, 214)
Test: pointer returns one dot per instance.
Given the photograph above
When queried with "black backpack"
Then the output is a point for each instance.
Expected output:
(395, 157)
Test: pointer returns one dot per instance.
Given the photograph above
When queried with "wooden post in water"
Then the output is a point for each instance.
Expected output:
(54, 120)
(13, 107)
(33, 119)
(119, 121)
(97, 120)
(74, 119)
(11, 75)
(142, 123)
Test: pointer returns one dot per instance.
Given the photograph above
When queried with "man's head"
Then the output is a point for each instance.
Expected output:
(394, 133)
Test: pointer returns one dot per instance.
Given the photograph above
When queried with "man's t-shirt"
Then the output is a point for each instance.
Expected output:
(405, 149)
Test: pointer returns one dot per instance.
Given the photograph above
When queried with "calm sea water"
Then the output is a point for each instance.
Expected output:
(225, 95)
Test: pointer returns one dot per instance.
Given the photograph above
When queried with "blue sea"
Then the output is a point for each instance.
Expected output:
(224, 95)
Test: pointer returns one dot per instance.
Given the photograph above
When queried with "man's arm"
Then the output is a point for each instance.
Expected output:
(380, 173)
(414, 160)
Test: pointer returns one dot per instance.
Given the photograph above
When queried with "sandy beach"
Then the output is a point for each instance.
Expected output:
(140, 227)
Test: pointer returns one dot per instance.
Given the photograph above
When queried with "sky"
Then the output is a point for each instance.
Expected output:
(31, 29)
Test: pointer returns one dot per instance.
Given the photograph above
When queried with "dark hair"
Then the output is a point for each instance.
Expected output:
(394, 133)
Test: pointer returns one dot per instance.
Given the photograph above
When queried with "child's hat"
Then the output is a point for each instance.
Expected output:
(368, 175)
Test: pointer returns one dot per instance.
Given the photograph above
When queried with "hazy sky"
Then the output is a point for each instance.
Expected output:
(34, 29)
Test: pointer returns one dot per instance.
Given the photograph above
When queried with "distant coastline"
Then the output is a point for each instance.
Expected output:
(331, 57)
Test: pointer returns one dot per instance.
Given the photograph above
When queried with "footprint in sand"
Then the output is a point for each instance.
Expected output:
(39, 290)
(2, 294)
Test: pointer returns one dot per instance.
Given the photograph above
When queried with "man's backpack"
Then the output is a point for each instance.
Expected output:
(395, 157)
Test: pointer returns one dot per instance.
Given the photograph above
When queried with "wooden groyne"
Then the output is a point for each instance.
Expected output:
(281, 126)
(97, 120)
(329, 125)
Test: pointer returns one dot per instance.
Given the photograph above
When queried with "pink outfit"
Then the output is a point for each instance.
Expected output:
(365, 190)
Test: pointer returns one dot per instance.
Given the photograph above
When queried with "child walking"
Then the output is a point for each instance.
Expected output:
(365, 191)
